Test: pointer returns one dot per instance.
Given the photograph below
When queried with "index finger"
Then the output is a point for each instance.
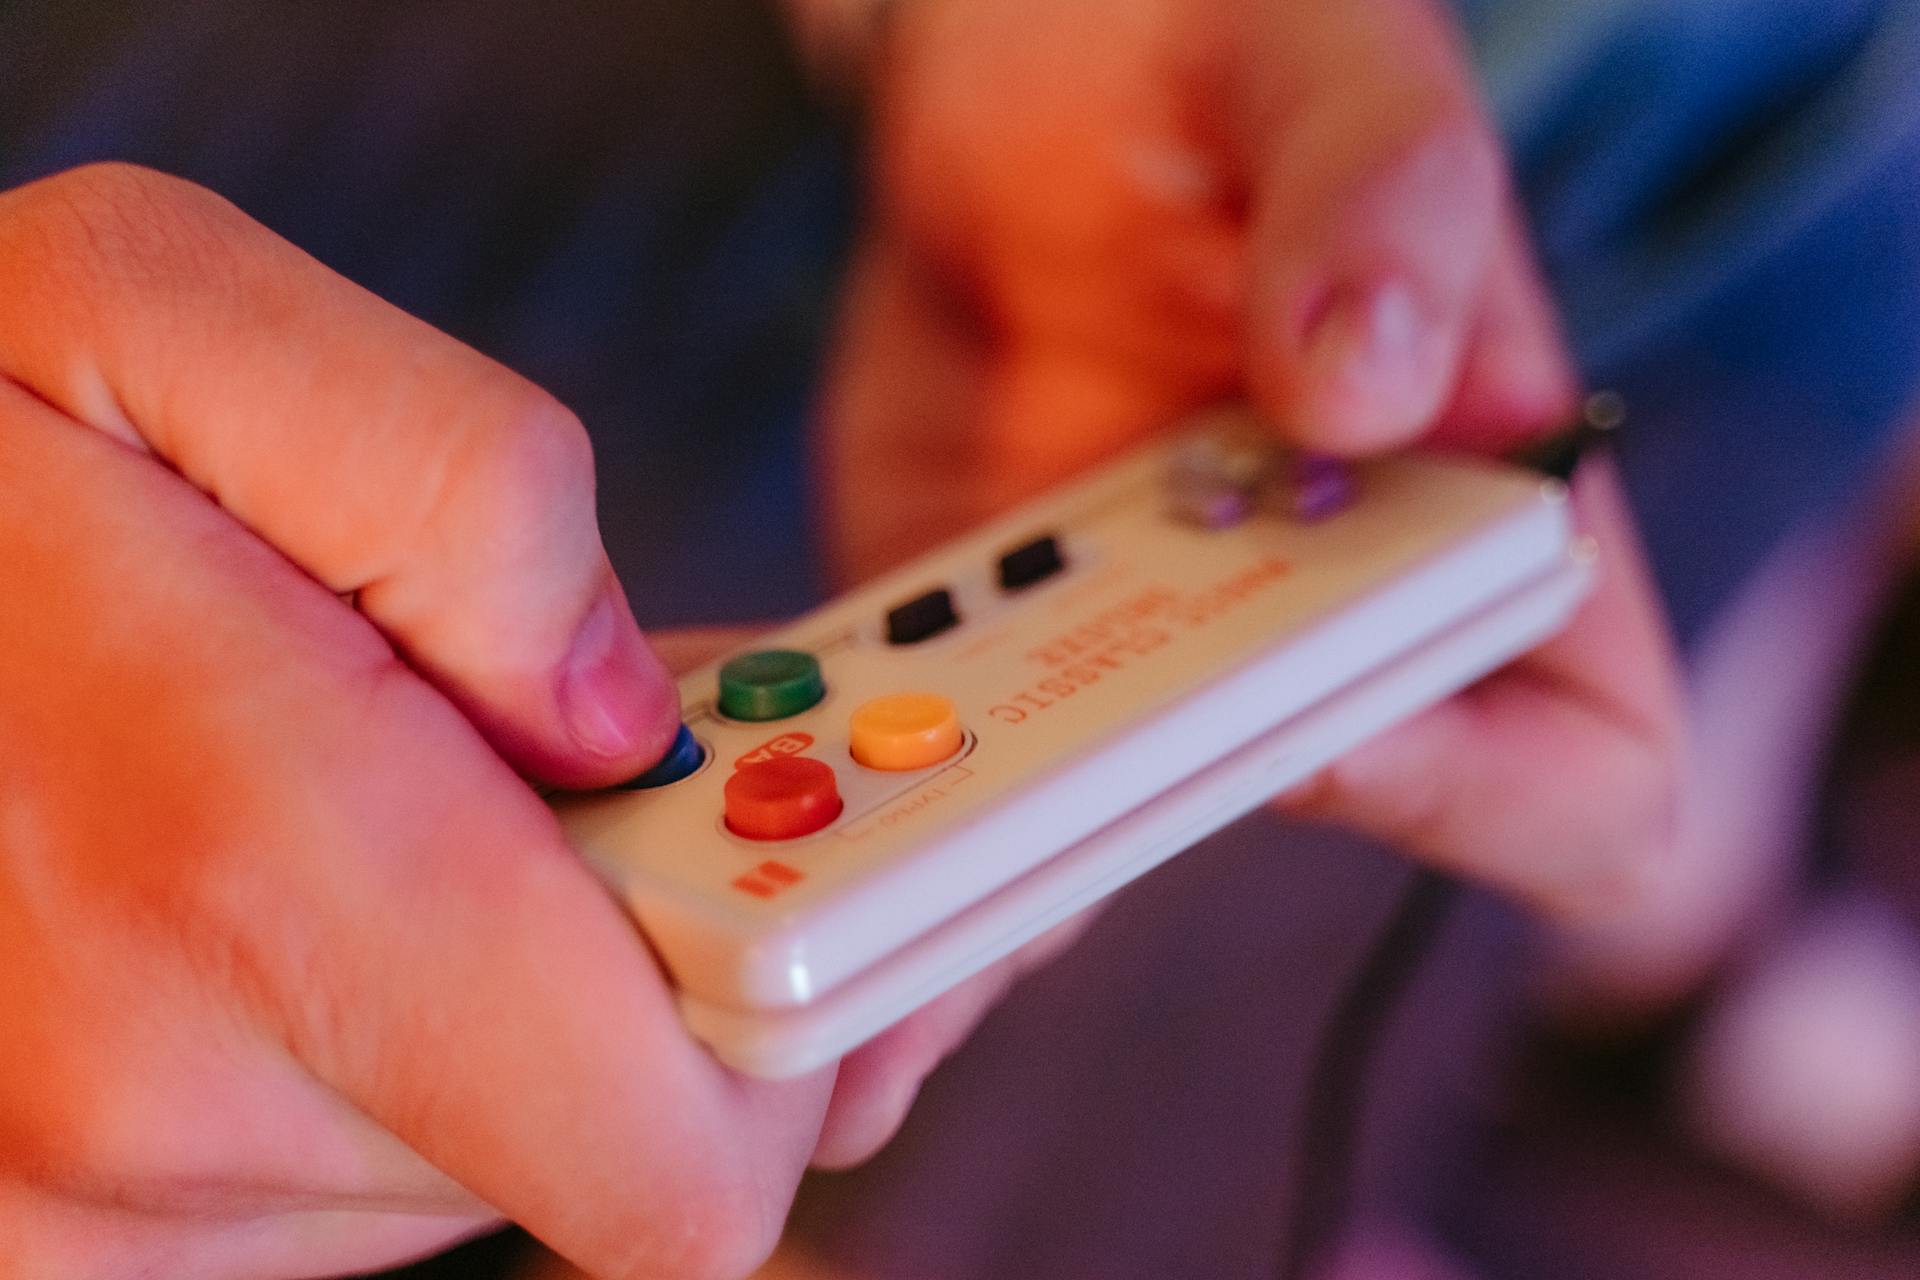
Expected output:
(449, 497)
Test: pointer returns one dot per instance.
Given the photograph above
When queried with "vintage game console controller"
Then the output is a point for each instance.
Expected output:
(876, 802)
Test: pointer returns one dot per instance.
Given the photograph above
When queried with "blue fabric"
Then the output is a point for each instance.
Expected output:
(1727, 197)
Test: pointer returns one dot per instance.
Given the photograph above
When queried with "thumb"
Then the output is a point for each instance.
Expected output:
(449, 498)
(1378, 194)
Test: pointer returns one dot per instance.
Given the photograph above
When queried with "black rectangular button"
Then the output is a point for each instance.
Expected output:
(922, 617)
(1030, 563)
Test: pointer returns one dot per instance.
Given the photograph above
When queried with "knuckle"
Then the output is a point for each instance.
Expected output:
(522, 472)
(543, 446)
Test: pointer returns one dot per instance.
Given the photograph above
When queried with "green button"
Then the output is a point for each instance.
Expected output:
(770, 685)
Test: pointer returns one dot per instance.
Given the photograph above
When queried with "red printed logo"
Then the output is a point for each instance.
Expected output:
(787, 744)
(768, 879)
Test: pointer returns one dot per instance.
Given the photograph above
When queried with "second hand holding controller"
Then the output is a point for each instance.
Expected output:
(880, 800)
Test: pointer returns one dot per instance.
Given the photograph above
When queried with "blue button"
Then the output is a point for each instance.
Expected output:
(682, 758)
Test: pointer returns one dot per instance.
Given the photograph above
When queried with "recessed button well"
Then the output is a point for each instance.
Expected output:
(781, 799)
(770, 685)
(905, 731)
(922, 617)
(1213, 478)
(1032, 562)
(1208, 506)
(682, 758)
(1320, 487)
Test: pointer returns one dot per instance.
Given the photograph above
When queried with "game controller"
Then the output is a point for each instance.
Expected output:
(874, 803)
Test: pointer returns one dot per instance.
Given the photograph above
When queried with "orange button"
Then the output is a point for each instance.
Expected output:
(781, 799)
(905, 731)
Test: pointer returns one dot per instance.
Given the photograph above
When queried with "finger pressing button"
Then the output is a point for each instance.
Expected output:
(682, 759)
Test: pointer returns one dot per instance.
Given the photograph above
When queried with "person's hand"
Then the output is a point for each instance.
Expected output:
(1091, 216)
(299, 975)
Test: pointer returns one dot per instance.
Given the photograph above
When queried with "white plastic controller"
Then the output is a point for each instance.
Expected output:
(1109, 674)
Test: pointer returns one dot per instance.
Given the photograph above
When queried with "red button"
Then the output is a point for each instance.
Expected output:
(781, 799)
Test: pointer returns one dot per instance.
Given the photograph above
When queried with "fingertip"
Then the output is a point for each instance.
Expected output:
(1517, 380)
(1364, 368)
(1389, 787)
(617, 703)
(879, 1081)
(856, 1131)
(1373, 229)
(1507, 400)
(874, 1089)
